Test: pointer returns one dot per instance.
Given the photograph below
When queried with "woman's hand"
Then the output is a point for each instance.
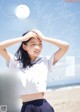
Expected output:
(39, 34)
(29, 35)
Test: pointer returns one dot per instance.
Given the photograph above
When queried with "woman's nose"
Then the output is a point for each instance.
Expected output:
(37, 47)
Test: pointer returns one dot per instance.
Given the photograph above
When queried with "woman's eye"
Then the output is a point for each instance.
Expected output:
(41, 44)
(33, 44)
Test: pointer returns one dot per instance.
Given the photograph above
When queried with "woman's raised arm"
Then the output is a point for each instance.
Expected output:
(62, 45)
(5, 44)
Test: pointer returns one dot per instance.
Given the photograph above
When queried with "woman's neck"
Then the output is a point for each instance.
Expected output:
(33, 59)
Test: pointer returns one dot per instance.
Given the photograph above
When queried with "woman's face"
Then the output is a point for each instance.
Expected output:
(34, 47)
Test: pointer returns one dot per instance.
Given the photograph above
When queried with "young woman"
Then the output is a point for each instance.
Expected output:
(32, 67)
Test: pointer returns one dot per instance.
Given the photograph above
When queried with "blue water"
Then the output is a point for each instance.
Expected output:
(63, 85)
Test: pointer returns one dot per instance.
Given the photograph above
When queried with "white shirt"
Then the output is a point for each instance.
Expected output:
(33, 79)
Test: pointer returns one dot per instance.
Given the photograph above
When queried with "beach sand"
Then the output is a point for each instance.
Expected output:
(65, 99)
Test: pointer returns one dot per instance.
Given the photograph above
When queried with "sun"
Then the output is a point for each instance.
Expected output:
(22, 11)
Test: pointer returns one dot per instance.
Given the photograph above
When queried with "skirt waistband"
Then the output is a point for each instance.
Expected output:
(37, 102)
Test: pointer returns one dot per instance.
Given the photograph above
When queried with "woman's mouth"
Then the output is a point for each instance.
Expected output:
(37, 52)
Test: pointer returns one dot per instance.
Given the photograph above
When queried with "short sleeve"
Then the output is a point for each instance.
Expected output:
(12, 63)
(50, 60)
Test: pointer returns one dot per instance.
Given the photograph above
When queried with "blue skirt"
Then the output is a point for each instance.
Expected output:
(40, 105)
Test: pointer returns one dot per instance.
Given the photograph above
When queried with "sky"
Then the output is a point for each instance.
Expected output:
(54, 18)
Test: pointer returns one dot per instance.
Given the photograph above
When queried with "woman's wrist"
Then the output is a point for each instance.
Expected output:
(45, 38)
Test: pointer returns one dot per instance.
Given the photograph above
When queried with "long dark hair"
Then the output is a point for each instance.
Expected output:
(23, 55)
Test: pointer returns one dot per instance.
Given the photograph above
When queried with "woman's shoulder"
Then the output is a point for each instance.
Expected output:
(14, 62)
